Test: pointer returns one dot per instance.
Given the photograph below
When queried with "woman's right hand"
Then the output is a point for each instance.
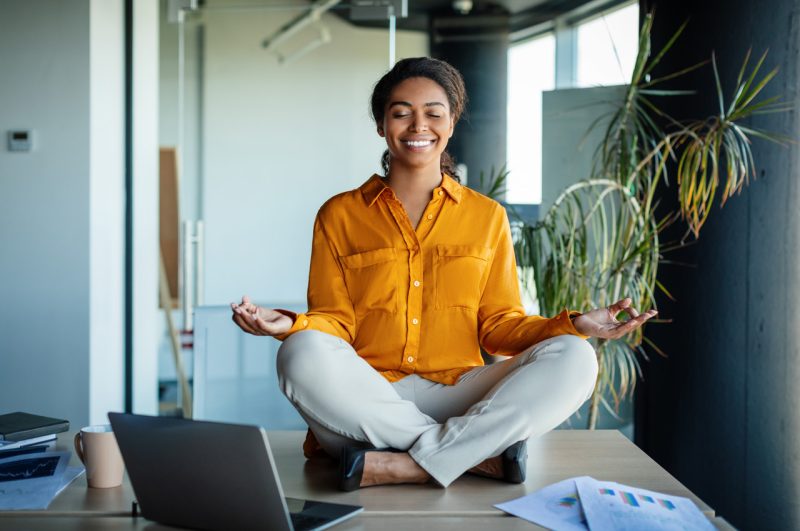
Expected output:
(259, 321)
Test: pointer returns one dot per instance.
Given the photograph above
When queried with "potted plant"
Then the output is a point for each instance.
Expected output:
(602, 238)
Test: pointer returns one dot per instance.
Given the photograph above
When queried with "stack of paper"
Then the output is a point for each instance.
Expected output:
(31, 480)
(582, 503)
(49, 440)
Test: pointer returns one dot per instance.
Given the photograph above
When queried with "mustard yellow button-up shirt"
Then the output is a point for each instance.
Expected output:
(419, 301)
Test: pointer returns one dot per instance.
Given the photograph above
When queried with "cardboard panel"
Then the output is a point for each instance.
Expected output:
(169, 228)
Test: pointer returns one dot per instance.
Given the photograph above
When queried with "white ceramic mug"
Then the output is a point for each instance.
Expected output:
(97, 449)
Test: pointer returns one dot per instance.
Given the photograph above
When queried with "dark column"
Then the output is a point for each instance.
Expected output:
(477, 45)
(721, 413)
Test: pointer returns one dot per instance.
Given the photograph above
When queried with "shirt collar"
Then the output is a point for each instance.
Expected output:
(375, 186)
(452, 187)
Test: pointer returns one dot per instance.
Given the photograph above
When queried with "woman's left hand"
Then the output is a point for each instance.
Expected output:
(603, 323)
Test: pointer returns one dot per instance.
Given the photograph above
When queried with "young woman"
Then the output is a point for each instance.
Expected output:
(410, 275)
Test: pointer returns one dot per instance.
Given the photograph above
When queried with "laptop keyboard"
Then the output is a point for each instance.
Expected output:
(303, 522)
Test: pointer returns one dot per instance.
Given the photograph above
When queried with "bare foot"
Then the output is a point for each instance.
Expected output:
(490, 468)
(382, 468)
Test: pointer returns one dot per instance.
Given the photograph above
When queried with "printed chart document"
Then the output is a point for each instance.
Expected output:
(583, 503)
(31, 481)
(71, 473)
(556, 507)
(612, 506)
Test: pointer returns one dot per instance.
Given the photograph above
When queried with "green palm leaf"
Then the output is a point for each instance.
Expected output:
(601, 239)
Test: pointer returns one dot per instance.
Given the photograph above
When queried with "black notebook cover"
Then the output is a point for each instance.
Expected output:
(20, 426)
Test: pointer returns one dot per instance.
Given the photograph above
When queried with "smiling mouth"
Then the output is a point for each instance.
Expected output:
(418, 143)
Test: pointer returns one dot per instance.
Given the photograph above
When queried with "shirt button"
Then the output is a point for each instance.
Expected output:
(441, 193)
(305, 323)
(415, 321)
(430, 216)
(410, 359)
(416, 283)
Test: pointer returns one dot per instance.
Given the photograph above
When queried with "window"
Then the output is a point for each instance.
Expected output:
(600, 50)
(531, 70)
(607, 47)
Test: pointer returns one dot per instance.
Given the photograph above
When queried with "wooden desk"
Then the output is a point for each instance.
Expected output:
(364, 522)
(561, 454)
(465, 505)
(79, 500)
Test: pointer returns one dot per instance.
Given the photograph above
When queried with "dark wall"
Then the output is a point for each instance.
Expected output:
(722, 413)
(478, 47)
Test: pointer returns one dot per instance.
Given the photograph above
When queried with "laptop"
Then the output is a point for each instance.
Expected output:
(214, 476)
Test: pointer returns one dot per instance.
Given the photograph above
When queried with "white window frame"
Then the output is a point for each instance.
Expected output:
(565, 31)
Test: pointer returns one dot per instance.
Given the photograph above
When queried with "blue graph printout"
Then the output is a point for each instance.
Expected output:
(31, 481)
(555, 507)
(612, 506)
(33, 467)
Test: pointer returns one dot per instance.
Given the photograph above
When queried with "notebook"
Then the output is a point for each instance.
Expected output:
(214, 476)
(19, 426)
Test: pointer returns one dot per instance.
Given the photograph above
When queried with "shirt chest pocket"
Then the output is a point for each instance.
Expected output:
(371, 279)
(458, 272)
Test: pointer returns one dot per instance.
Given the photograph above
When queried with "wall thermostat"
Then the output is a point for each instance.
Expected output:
(20, 140)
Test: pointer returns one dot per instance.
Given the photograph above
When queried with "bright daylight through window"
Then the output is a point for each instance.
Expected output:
(598, 62)
(531, 70)
(606, 50)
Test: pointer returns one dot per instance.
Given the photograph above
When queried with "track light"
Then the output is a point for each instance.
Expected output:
(323, 37)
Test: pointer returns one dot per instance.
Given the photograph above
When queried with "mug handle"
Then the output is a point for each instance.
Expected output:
(79, 447)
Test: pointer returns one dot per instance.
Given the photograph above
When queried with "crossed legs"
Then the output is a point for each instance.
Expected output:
(446, 430)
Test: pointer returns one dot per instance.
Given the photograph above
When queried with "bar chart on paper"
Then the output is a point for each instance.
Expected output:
(567, 501)
(634, 500)
(609, 506)
(584, 503)
(556, 506)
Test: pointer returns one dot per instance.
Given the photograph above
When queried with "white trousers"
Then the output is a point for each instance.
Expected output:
(447, 429)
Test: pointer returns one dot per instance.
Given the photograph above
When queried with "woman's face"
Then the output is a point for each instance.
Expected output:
(417, 124)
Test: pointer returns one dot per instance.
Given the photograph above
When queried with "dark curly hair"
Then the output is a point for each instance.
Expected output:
(440, 72)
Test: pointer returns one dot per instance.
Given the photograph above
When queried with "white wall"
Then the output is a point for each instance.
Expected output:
(106, 189)
(264, 144)
(44, 209)
(278, 141)
(62, 207)
(147, 317)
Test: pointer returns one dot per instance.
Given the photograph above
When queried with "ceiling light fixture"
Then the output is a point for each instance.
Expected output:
(290, 28)
(324, 37)
(462, 6)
